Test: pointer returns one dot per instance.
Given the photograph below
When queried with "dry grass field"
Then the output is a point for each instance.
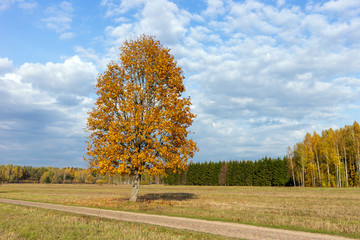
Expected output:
(327, 210)
(47, 224)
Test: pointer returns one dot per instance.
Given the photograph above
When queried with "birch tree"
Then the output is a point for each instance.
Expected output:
(140, 119)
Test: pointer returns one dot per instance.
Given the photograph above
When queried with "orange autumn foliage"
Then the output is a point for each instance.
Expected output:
(140, 119)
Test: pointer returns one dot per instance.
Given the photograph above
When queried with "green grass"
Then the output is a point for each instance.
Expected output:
(326, 210)
(19, 222)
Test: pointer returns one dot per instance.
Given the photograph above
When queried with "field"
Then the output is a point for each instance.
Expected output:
(325, 210)
(48, 224)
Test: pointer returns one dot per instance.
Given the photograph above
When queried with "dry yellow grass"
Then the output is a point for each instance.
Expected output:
(329, 210)
(19, 222)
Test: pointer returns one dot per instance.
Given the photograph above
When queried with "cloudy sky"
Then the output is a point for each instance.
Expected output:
(260, 73)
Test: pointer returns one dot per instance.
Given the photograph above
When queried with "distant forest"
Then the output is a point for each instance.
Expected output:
(265, 172)
(331, 159)
(27, 174)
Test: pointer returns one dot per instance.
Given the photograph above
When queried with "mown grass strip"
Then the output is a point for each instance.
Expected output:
(20, 222)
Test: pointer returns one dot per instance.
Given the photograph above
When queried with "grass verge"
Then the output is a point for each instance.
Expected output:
(19, 222)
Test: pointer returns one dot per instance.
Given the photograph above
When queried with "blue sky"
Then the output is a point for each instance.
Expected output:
(260, 73)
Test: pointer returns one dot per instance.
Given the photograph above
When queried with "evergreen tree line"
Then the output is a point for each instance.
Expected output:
(264, 172)
(330, 159)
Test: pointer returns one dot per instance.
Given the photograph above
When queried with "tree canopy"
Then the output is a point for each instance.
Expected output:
(140, 119)
(329, 159)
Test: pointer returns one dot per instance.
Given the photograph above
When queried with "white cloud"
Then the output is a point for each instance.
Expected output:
(6, 65)
(43, 109)
(5, 4)
(50, 85)
(59, 17)
(66, 36)
(117, 35)
(280, 3)
(71, 77)
(214, 8)
(160, 18)
(27, 6)
(101, 61)
(115, 8)
(340, 5)
(164, 20)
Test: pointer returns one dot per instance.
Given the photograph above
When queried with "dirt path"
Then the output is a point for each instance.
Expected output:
(213, 227)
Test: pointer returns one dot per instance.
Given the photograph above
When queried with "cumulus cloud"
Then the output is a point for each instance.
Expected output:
(43, 109)
(59, 17)
(66, 36)
(214, 8)
(159, 18)
(280, 3)
(6, 65)
(114, 8)
(25, 5)
(340, 6)
(71, 77)
(5, 4)
(165, 20)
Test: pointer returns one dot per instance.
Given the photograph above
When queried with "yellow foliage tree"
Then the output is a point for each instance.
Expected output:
(140, 118)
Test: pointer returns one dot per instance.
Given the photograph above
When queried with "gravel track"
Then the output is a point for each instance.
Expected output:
(213, 227)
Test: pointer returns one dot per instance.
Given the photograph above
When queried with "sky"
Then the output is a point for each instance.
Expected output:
(260, 73)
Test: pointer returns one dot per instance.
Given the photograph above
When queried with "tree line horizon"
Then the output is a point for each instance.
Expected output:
(263, 172)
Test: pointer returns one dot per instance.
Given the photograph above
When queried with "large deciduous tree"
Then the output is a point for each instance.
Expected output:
(140, 119)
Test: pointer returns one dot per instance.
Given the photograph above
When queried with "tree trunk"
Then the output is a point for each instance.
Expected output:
(135, 188)
(328, 171)
(358, 168)
(312, 179)
(337, 175)
(358, 161)
(318, 167)
(303, 172)
(346, 171)
(293, 172)
(339, 167)
(290, 154)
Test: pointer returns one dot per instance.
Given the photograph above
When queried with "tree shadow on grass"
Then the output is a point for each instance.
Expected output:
(167, 196)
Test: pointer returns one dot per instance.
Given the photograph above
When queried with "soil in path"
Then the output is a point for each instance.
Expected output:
(213, 227)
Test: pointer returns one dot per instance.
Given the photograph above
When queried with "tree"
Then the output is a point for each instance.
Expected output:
(315, 145)
(309, 159)
(222, 173)
(300, 160)
(291, 167)
(140, 119)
